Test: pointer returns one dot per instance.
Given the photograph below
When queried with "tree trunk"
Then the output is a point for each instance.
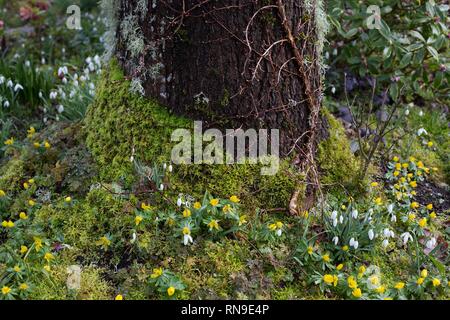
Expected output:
(230, 63)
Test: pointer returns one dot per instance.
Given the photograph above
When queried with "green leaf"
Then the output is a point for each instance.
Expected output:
(417, 35)
(393, 91)
(437, 264)
(406, 59)
(351, 33)
(433, 52)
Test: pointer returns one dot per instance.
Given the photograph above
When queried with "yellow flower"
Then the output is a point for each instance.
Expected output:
(374, 184)
(36, 145)
(186, 213)
(23, 286)
(380, 289)
(409, 175)
(328, 279)
(414, 205)
(226, 208)
(103, 241)
(213, 224)
(357, 293)
(362, 269)
(279, 224)
(326, 257)
(48, 256)
(413, 184)
(402, 179)
(145, 207)
(305, 214)
(433, 215)
(411, 216)
(31, 203)
(170, 291)
(68, 199)
(242, 220)
(430, 143)
(405, 165)
(26, 185)
(8, 224)
(157, 272)
(272, 226)
(399, 285)
(430, 206)
(138, 220)
(47, 145)
(6, 290)
(424, 273)
(234, 199)
(23, 216)
(186, 230)
(396, 173)
(2, 193)
(374, 279)
(345, 248)
(118, 297)
(16, 269)
(420, 165)
(5, 224)
(412, 159)
(9, 142)
(214, 202)
(197, 205)
(396, 159)
(423, 222)
(23, 249)
(31, 132)
(343, 207)
(310, 250)
(47, 268)
(352, 284)
(398, 166)
(37, 244)
(339, 267)
(427, 170)
(413, 193)
(436, 282)
(420, 281)
(378, 201)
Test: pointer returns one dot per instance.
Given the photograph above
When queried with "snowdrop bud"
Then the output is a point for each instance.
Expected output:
(390, 208)
(394, 218)
(406, 112)
(355, 214)
(356, 244)
(335, 222)
(387, 232)
(170, 168)
(64, 81)
(9, 84)
(336, 240)
(18, 87)
(91, 67)
(429, 244)
(91, 86)
(333, 90)
(333, 215)
(132, 159)
(421, 131)
(6, 104)
(371, 234)
(82, 78)
(392, 234)
(40, 94)
(2, 79)
(341, 219)
(164, 166)
(27, 63)
(133, 237)
(385, 243)
(75, 83)
(53, 95)
(179, 202)
(88, 60)
(72, 94)
(60, 108)
(279, 232)
(420, 113)
(161, 187)
(351, 242)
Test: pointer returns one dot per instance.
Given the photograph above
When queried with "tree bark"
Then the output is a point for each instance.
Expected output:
(230, 63)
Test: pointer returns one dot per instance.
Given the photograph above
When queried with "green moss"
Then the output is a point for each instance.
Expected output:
(339, 167)
(11, 174)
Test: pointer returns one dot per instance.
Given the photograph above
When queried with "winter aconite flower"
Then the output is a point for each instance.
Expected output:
(399, 285)
(197, 205)
(186, 213)
(213, 224)
(9, 142)
(339, 267)
(23, 249)
(436, 282)
(68, 199)
(6, 290)
(226, 208)
(145, 207)
(157, 272)
(310, 250)
(420, 281)
(357, 293)
(242, 220)
(430, 206)
(23, 216)
(433, 215)
(138, 220)
(2, 193)
(378, 201)
(374, 184)
(170, 291)
(234, 199)
(424, 273)
(214, 202)
(118, 297)
(37, 244)
(414, 205)
(48, 257)
(423, 222)
(326, 257)
(328, 279)
(23, 286)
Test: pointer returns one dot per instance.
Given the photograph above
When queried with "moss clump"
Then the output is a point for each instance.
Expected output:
(11, 174)
(120, 124)
(339, 166)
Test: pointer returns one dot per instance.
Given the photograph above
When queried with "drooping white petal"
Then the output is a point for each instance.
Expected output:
(371, 234)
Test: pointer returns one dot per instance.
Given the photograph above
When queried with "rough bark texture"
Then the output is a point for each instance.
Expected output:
(230, 63)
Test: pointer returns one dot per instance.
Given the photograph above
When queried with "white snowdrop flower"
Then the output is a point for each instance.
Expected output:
(161, 187)
(327, 55)
(27, 63)
(335, 240)
(63, 50)
(64, 80)
(72, 94)
(9, 84)
(279, 232)
(355, 214)
(60, 108)
(335, 222)
(170, 168)
(341, 219)
(421, 131)
(335, 52)
(392, 234)
(387, 232)
(92, 92)
(333, 90)
(334, 215)
(6, 104)
(86, 71)
(16, 56)
(43, 61)
(2, 79)
(41, 95)
(133, 237)
(97, 60)
(356, 244)
(406, 236)
(18, 87)
(63, 95)
(433, 241)
(91, 67)
(53, 95)
(88, 60)
(75, 83)
(390, 208)
(371, 234)
(75, 76)
(187, 238)
(406, 112)
(82, 78)
(179, 202)
(385, 243)
(164, 166)
(45, 119)
(420, 113)
(42, 39)
(132, 159)
(394, 218)
(57, 118)
(91, 86)
(351, 242)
